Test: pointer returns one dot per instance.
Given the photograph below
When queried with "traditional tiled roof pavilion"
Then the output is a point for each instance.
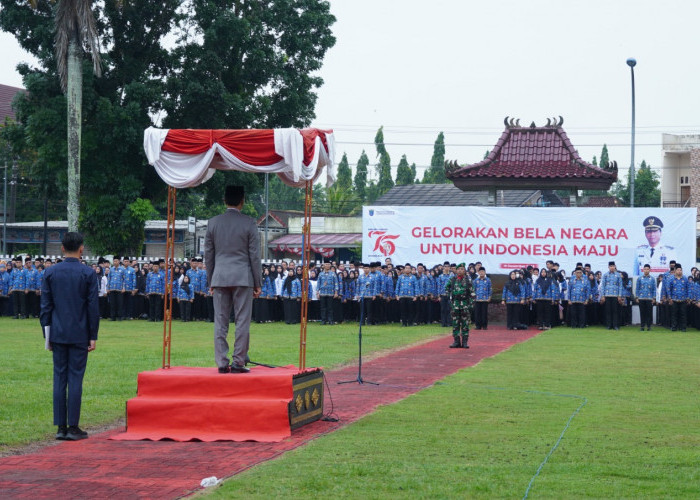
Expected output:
(532, 158)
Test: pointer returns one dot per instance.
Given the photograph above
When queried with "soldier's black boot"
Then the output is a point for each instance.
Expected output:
(465, 339)
(456, 343)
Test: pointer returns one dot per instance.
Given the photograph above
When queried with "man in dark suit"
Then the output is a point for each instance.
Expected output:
(234, 273)
(70, 316)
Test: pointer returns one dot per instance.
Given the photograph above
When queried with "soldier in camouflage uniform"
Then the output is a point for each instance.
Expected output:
(459, 289)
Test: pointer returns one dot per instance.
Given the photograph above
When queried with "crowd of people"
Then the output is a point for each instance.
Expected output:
(380, 293)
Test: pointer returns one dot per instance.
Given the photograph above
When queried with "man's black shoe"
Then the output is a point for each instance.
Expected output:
(75, 433)
(457, 343)
(239, 369)
(62, 431)
(225, 369)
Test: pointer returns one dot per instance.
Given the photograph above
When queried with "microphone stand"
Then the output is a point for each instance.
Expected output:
(249, 362)
(359, 378)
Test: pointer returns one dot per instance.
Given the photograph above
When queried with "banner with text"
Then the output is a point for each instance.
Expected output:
(505, 238)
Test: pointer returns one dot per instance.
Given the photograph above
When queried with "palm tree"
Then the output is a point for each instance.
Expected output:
(342, 201)
(75, 29)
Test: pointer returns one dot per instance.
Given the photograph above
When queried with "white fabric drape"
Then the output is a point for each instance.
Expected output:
(188, 170)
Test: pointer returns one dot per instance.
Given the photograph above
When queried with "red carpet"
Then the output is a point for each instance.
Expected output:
(184, 403)
(104, 468)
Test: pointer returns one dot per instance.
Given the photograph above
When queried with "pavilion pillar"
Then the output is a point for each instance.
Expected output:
(573, 198)
(491, 201)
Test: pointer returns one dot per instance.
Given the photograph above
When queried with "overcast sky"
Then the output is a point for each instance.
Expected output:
(420, 67)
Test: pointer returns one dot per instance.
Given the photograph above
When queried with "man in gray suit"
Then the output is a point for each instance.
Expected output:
(234, 273)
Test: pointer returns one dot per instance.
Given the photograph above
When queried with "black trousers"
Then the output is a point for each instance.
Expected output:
(185, 310)
(20, 302)
(369, 309)
(33, 304)
(155, 307)
(129, 302)
(481, 314)
(116, 303)
(577, 314)
(445, 311)
(337, 308)
(512, 315)
(420, 311)
(199, 306)
(405, 306)
(291, 311)
(645, 312)
(544, 313)
(612, 313)
(326, 308)
(679, 318)
(69, 362)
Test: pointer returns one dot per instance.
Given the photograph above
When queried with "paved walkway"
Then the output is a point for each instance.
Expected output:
(101, 468)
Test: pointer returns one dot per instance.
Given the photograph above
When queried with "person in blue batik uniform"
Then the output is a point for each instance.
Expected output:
(512, 298)
(579, 293)
(4, 288)
(185, 296)
(327, 290)
(155, 288)
(115, 289)
(18, 285)
(445, 309)
(611, 296)
(482, 291)
(406, 291)
(646, 297)
(677, 290)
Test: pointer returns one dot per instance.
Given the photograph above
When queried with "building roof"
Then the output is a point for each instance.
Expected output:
(532, 157)
(333, 240)
(7, 94)
(447, 195)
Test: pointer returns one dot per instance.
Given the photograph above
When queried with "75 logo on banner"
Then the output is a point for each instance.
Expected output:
(384, 243)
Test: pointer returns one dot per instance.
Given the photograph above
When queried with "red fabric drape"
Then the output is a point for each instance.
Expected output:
(255, 147)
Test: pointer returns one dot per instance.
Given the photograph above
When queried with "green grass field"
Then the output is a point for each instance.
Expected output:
(126, 348)
(484, 431)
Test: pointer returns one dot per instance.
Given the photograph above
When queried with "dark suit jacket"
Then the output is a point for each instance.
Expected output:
(69, 302)
(232, 250)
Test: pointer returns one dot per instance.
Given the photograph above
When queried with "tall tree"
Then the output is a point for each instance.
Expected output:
(75, 28)
(385, 182)
(341, 200)
(360, 180)
(404, 174)
(234, 65)
(344, 180)
(604, 159)
(646, 188)
(436, 172)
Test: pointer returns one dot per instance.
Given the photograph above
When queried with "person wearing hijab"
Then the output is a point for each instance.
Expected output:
(512, 298)
(543, 300)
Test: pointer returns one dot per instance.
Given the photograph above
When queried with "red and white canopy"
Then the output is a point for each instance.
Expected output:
(187, 157)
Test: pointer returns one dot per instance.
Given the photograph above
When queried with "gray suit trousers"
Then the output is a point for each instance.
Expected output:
(241, 299)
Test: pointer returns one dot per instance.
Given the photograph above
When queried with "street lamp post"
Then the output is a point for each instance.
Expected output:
(4, 211)
(267, 212)
(631, 62)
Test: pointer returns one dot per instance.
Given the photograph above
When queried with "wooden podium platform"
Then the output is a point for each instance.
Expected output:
(193, 403)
